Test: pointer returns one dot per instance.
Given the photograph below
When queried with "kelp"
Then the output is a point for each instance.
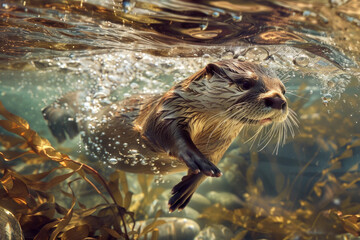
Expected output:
(41, 216)
(329, 202)
(330, 208)
(148, 195)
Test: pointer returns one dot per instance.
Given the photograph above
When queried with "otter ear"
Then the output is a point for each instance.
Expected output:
(206, 72)
(212, 68)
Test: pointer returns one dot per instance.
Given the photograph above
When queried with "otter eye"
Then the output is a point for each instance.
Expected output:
(245, 85)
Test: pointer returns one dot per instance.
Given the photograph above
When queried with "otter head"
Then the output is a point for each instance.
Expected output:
(246, 93)
(256, 94)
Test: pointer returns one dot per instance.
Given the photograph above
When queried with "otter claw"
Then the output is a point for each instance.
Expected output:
(198, 163)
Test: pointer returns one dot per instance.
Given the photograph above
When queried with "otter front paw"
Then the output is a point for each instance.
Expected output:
(197, 162)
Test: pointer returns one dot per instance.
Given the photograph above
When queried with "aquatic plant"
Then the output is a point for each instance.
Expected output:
(41, 216)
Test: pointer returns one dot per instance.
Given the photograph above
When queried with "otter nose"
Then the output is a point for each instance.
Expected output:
(275, 102)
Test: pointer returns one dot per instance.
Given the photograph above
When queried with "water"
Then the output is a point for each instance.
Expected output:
(119, 48)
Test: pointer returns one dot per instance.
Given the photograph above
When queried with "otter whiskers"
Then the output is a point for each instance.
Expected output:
(264, 134)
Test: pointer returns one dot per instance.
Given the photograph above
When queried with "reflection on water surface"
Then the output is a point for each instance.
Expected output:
(119, 48)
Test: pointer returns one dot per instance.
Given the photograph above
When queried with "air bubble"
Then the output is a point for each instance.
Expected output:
(215, 14)
(133, 151)
(173, 164)
(134, 85)
(102, 92)
(236, 18)
(127, 6)
(228, 55)
(5, 5)
(257, 54)
(241, 58)
(113, 161)
(204, 25)
(144, 162)
(328, 96)
(331, 84)
(302, 61)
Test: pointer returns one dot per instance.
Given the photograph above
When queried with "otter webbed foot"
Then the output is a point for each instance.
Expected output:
(61, 121)
(198, 163)
(183, 191)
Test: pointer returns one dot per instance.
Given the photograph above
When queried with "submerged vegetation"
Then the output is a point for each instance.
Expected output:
(41, 215)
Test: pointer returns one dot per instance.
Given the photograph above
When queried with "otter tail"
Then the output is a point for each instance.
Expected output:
(61, 117)
(183, 191)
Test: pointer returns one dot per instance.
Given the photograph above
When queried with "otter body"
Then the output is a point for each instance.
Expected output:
(187, 128)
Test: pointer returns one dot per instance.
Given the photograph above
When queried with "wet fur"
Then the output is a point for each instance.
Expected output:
(192, 124)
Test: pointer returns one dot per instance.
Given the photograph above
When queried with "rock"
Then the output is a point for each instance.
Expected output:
(199, 202)
(9, 226)
(214, 233)
(347, 236)
(213, 184)
(228, 200)
(187, 212)
(236, 182)
(174, 228)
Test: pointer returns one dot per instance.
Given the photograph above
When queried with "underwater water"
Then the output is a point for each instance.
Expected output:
(308, 188)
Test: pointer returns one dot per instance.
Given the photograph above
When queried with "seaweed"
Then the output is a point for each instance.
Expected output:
(328, 204)
(316, 216)
(40, 213)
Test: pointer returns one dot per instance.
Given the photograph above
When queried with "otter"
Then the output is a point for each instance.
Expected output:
(189, 127)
